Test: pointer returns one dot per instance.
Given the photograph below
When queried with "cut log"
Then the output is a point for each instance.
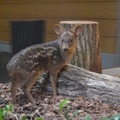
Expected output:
(88, 54)
(74, 81)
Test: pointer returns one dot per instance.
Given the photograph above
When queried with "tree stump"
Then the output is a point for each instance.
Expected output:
(74, 81)
(88, 54)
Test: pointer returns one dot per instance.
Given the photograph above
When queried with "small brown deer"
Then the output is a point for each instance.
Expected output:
(27, 65)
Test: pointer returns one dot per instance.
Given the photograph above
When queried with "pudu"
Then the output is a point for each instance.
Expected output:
(27, 65)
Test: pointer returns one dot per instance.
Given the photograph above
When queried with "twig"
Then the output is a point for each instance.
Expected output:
(36, 112)
(15, 116)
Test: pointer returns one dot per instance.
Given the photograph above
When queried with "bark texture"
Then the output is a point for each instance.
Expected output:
(74, 81)
(87, 53)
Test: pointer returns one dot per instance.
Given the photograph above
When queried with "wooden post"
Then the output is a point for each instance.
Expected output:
(88, 54)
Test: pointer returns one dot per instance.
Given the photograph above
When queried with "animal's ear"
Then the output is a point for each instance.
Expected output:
(76, 30)
(58, 29)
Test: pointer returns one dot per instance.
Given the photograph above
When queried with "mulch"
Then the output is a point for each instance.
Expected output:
(48, 106)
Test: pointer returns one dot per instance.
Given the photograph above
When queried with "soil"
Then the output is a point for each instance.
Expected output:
(48, 106)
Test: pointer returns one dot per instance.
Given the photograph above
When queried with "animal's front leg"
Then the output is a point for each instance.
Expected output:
(53, 78)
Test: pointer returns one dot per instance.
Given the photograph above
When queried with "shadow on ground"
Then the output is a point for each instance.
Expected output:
(4, 59)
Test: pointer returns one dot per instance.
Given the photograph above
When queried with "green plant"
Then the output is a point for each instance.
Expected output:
(24, 118)
(10, 108)
(62, 104)
(3, 111)
(116, 117)
(40, 118)
(87, 117)
(66, 112)
(75, 113)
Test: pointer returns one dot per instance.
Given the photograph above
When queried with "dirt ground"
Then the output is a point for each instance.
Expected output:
(48, 106)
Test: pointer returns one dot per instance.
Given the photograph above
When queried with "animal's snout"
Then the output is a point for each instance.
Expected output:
(65, 49)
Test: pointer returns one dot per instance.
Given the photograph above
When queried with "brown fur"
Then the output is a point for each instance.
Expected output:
(27, 65)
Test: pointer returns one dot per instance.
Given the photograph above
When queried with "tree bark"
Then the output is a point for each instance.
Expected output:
(88, 54)
(74, 81)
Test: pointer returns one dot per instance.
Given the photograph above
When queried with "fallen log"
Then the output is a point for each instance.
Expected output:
(74, 81)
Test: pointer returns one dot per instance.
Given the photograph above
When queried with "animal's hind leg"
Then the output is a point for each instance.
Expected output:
(14, 87)
(27, 85)
(27, 88)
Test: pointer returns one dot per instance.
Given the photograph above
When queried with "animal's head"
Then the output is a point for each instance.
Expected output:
(67, 38)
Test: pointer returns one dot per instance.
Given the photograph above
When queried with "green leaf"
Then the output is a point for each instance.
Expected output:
(87, 117)
(2, 113)
(106, 118)
(63, 103)
(116, 117)
(11, 107)
(24, 118)
(75, 113)
(1, 118)
(40, 118)
(66, 112)
(6, 108)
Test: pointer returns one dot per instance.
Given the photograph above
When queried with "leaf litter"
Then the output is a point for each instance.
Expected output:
(48, 106)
